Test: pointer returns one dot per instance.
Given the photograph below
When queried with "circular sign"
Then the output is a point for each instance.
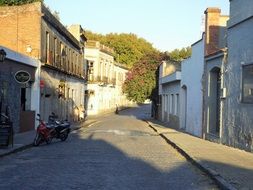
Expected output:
(22, 76)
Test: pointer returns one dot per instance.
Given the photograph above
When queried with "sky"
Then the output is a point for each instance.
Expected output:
(167, 24)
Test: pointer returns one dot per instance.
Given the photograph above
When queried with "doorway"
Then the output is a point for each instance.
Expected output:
(214, 101)
(23, 99)
(27, 117)
(184, 107)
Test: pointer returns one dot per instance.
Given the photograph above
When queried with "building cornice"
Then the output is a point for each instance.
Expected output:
(216, 54)
(54, 22)
(63, 72)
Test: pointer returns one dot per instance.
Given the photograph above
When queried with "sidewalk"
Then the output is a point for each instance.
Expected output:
(231, 168)
(24, 140)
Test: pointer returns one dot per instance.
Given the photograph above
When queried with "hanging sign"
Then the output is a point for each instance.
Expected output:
(22, 76)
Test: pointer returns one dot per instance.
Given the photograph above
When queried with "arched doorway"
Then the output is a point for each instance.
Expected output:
(184, 107)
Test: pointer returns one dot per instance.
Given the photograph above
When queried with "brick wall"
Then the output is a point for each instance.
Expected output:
(20, 28)
(212, 30)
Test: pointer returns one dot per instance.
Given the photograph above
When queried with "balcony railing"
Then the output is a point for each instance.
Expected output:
(101, 47)
(99, 79)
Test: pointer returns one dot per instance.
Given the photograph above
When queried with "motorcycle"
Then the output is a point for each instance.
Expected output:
(44, 132)
(62, 128)
(53, 129)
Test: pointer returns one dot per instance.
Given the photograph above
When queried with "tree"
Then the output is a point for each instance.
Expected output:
(17, 2)
(129, 48)
(93, 36)
(141, 79)
(179, 54)
(142, 59)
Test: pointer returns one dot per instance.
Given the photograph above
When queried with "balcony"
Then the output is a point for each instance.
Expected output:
(101, 80)
(176, 76)
(98, 45)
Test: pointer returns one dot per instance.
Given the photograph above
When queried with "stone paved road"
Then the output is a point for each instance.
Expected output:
(117, 152)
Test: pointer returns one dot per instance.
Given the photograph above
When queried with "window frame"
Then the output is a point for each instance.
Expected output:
(245, 69)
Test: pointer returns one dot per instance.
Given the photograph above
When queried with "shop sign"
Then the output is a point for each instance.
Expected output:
(22, 76)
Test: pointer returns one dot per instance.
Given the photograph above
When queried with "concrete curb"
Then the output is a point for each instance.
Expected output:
(219, 180)
(30, 145)
(19, 149)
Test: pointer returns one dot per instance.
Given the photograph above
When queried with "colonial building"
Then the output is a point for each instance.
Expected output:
(105, 79)
(198, 110)
(32, 30)
(238, 77)
(19, 89)
(215, 44)
(169, 91)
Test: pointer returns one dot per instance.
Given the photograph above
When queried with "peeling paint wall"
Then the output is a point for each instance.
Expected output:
(212, 66)
(239, 115)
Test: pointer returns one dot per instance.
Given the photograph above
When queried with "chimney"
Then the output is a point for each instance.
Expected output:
(212, 23)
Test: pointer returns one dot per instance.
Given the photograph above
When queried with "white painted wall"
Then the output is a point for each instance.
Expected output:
(71, 106)
(35, 93)
(192, 71)
(169, 90)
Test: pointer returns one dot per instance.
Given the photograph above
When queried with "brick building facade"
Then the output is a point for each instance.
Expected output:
(34, 31)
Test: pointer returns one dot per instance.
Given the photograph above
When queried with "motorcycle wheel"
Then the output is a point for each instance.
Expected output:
(49, 139)
(64, 136)
(37, 140)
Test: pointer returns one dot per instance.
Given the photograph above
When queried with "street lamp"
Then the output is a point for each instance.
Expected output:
(2, 55)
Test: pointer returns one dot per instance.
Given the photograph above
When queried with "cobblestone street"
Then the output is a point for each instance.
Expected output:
(117, 152)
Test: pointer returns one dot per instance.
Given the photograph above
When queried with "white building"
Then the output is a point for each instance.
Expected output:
(191, 90)
(105, 79)
(169, 90)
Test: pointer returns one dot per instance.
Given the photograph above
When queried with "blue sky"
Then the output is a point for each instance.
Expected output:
(167, 24)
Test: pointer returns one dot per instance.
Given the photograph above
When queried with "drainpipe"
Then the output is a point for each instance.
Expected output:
(224, 90)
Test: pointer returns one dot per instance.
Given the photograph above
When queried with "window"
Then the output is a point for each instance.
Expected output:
(90, 70)
(165, 103)
(47, 48)
(177, 104)
(172, 104)
(55, 52)
(69, 60)
(247, 83)
(3, 91)
(62, 56)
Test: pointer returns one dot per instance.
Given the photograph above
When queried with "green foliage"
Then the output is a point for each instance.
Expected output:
(142, 59)
(17, 2)
(141, 79)
(138, 55)
(178, 55)
(129, 48)
(93, 36)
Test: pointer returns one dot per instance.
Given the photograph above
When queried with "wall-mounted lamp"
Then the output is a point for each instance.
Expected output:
(2, 55)
(29, 49)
